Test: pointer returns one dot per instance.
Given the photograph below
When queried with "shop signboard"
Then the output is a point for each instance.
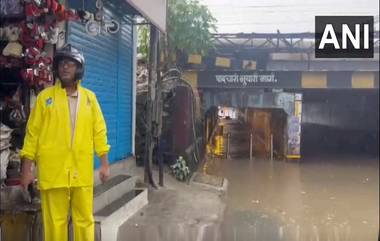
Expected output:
(294, 129)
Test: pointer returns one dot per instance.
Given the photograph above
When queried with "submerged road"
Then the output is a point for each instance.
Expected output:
(320, 198)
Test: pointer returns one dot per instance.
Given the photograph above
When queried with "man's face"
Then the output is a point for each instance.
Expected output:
(66, 71)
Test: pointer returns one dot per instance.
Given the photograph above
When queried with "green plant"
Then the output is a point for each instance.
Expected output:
(180, 169)
(189, 30)
(143, 41)
(189, 27)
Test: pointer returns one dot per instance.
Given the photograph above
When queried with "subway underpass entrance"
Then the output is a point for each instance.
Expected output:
(250, 132)
(331, 194)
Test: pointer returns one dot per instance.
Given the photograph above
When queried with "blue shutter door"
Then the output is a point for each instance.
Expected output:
(108, 72)
(125, 95)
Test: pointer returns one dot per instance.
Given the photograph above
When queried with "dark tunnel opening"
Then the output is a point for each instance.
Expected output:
(340, 122)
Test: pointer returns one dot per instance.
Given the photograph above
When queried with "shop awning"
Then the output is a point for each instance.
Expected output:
(154, 11)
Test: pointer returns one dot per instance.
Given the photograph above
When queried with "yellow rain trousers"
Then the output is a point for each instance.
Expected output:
(64, 161)
(55, 212)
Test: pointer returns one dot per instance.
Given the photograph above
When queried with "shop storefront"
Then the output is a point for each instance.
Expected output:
(30, 33)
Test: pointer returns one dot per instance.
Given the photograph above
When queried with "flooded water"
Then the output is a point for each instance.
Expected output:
(300, 201)
(320, 198)
(323, 197)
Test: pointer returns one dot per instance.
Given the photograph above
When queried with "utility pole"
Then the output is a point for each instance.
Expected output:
(158, 104)
(152, 97)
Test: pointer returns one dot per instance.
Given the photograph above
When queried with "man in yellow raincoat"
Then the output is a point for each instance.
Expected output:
(64, 129)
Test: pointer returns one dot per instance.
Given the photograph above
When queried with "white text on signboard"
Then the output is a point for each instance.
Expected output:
(246, 79)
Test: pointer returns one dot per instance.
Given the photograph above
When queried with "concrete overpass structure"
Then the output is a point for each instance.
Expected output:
(273, 70)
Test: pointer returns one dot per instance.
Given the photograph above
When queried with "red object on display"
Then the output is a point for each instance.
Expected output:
(40, 73)
(13, 182)
(36, 66)
(71, 15)
(26, 38)
(28, 76)
(37, 77)
(46, 60)
(49, 25)
(48, 4)
(53, 6)
(68, 15)
(40, 43)
(32, 55)
(31, 10)
(31, 35)
(60, 9)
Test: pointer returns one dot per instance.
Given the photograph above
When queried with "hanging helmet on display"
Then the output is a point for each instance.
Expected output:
(72, 53)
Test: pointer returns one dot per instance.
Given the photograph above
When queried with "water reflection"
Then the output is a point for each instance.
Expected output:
(290, 201)
(332, 198)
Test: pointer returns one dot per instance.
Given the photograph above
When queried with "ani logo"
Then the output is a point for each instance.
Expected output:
(344, 36)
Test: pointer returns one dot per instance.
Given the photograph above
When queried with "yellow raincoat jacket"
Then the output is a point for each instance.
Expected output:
(63, 161)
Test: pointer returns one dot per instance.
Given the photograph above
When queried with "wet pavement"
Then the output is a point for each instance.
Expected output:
(320, 198)
(176, 212)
